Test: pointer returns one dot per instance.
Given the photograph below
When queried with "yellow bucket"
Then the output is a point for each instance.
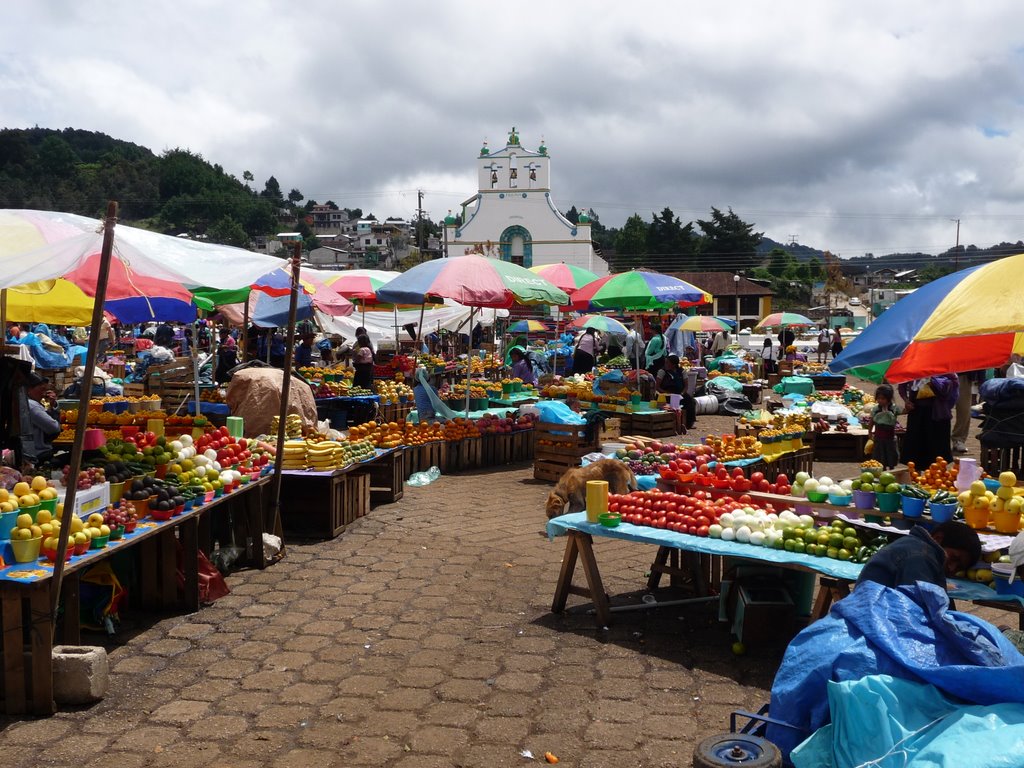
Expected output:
(976, 518)
(1007, 522)
(26, 550)
(597, 499)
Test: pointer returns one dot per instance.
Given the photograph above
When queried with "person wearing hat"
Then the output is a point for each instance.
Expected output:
(521, 367)
(44, 426)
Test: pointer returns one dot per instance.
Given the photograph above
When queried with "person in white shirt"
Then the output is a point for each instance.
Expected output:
(824, 340)
(634, 344)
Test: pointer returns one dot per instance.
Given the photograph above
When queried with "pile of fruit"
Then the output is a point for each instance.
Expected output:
(803, 484)
(26, 493)
(732, 448)
(292, 425)
(430, 362)
(87, 478)
(979, 497)
(213, 395)
(392, 391)
(688, 460)
(326, 454)
(736, 481)
(390, 434)
(331, 389)
(459, 429)
(672, 511)
(657, 458)
(884, 482)
(141, 488)
(359, 392)
(941, 475)
(742, 376)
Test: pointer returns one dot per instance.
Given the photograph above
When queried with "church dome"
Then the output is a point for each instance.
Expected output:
(584, 218)
(449, 220)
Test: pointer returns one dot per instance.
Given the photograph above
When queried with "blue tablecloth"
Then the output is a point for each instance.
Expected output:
(840, 569)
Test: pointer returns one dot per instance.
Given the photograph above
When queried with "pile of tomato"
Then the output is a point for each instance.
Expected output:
(692, 514)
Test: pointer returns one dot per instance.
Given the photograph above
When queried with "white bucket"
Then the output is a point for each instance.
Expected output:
(707, 405)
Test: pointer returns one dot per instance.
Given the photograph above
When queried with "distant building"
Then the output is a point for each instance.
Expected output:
(513, 216)
(755, 301)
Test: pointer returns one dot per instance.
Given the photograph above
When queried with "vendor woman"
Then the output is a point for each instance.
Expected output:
(671, 380)
(43, 423)
(521, 367)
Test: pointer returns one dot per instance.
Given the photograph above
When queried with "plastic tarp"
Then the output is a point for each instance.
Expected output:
(908, 633)
(380, 325)
(557, 412)
(1002, 390)
(799, 384)
(724, 383)
(883, 721)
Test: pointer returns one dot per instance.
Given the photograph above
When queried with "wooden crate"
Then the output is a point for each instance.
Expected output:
(395, 412)
(497, 450)
(387, 477)
(839, 446)
(996, 460)
(523, 445)
(559, 447)
(420, 458)
(136, 389)
(320, 506)
(650, 424)
(27, 648)
(465, 454)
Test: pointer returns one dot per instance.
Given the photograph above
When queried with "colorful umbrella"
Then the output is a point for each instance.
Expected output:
(527, 326)
(568, 277)
(966, 321)
(357, 284)
(638, 290)
(475, 281)
(784, 320)
(601, 323)
(705, 323)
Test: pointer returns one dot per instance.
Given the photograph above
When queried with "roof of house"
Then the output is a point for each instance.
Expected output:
(722, 283)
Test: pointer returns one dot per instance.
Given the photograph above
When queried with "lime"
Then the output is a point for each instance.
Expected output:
(833, 552)
(843, 554)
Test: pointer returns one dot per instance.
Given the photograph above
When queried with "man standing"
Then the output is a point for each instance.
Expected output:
(823, 344)
(44, 427)
(962, 425)
(634, 344)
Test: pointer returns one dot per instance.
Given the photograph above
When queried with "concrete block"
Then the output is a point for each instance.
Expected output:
(80, 674)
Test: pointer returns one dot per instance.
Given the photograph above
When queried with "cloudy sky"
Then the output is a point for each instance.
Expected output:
(859, 128)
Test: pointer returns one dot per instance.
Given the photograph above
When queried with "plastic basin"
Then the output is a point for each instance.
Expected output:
(864, 499)
(842, 500)
(609, 519)
(817, 497)
(26, 550)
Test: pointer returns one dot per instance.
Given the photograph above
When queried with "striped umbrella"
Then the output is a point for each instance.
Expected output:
(706, 323)
(527, 326)
(568, 277)
(638, 290)
(784, 320)
(601, 323)
(967, 321)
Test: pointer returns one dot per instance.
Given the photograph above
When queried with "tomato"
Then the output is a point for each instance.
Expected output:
(756, 477)
(702, 531)
(745, 499)
(782, 479)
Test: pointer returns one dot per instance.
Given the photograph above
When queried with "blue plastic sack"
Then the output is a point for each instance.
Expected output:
(612, 377)
(882, 721)
(908, 633)
(557, 412)
(1001, 390)
(43, 357)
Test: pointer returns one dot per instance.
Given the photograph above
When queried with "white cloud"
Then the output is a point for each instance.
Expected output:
(858, 128)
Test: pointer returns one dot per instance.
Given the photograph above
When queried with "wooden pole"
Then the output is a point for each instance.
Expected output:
(3, 316)
(245, 331)
(419, 327)
(469, 358)
(83, 405)
(286, 386)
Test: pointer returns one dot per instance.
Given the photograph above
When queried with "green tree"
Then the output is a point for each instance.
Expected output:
(294, 197)
(248, 178)
(815, 270)
(272, 192)
(728, 243)
(631, 243)
(573, 215)
(227, 231)
(670, 245)
(56, 158)
(779, 262)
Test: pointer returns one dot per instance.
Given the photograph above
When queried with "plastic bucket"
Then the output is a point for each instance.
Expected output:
(942, 513)
(674, 401)
(888, 502)
(1007, 522)
(50, 505)
(8, 520)
(864, 499)
(26, 550)
(913, 507)
(976, 518)
(116, 491)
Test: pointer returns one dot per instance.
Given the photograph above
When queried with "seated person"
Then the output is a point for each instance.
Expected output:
(42, 421)
(671, 379)
(521, 367)
(922, 556)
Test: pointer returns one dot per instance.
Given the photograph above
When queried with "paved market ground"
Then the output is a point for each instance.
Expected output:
(421, 637)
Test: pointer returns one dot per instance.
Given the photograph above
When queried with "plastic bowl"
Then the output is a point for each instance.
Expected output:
(26, 550)
(116, 533)
(942, 513)
(7, 521)
(161, 514)
(991, 484)
(609, 519)
(50, 505)
(839, 500)
(99, 542)
(83, 547)
(817, 497)
(912, 507)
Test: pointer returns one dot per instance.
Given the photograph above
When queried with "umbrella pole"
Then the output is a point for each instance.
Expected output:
(195, 363)
(469, 358)
(245, 331)
(3, 315)
(423, 308)
(83, 405)
(286, 387)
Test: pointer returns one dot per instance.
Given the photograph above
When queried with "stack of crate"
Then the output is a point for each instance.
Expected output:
(560, 447)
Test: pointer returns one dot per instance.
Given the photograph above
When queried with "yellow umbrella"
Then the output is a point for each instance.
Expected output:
(58, 302)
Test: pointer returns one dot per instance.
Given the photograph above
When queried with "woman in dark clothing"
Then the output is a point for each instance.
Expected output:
(672, 381)
(929, 408)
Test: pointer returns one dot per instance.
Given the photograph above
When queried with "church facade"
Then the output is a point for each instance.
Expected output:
(513, 216)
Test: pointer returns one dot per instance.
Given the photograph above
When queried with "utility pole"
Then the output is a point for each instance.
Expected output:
(419, 221)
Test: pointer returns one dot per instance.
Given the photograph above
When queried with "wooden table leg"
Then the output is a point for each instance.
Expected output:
(829, 590)
(189, 531)
(564, 584)
(13, 649)
(658, 567)
(597, 593)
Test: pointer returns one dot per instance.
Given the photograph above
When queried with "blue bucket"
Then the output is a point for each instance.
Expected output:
(913, 507)
(942, 513)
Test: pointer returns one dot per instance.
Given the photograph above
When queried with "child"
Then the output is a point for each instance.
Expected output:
(883, 427)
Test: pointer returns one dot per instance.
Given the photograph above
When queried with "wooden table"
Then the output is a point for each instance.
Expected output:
(28, 627)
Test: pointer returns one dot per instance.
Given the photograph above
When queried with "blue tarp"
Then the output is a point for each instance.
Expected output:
(883, 721)
(908, 633)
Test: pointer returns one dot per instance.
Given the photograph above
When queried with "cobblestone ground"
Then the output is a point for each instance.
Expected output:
(421, 637)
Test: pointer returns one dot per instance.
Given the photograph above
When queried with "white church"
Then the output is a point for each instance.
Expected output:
(513, 216)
